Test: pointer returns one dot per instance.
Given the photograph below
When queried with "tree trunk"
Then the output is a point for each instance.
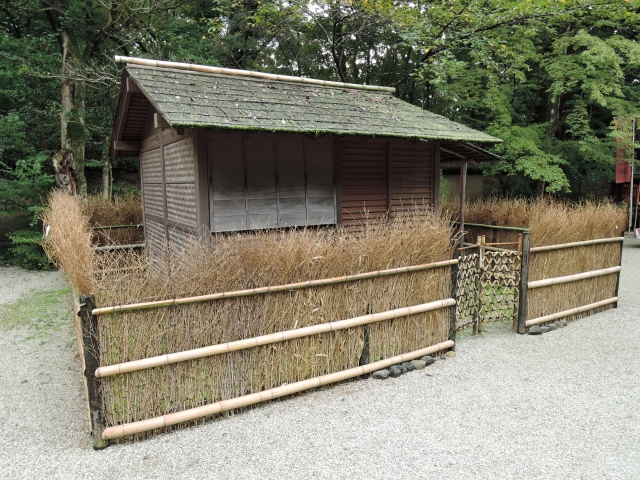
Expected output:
(72, 121)
(107, 171)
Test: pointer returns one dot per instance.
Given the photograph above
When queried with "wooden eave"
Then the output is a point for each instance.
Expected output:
(460, 152)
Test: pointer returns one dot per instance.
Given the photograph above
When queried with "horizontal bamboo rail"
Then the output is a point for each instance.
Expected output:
(278, 288)
(268, 339)
(572, 311)
(495, 227)
(110, 227)
(573, 278)
(249, 73)
(491, 249)
(575, 244)
(252, 399)
(108, 248)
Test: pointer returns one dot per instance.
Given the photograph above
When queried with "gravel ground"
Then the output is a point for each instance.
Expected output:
(561, 405)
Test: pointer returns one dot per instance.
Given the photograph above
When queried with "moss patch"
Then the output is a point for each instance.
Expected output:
(41, 313)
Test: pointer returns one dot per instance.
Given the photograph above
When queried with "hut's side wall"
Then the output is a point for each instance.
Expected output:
(169, 167)
(380, 176)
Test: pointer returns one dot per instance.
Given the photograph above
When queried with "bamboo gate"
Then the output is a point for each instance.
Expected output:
(503, 280)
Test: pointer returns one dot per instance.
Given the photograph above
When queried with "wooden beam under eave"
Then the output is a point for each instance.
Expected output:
(131, 86)
(127, 145)
(160, 122)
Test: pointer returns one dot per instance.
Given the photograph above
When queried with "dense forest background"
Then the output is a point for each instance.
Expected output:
(547, 76)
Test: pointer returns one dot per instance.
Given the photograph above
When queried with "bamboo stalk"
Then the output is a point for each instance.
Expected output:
(248, 73)
(108, 248)
(111, 227)
(252, 399)
(491, 249)
(278, 288)
(573, 278)
(576, 244)
(495, 227)
(572, 311)
(503, 243)
(267, 339)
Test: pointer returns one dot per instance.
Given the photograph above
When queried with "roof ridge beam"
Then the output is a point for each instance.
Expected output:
(248, 73)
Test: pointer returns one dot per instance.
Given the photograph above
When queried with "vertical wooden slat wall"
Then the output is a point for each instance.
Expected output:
(380, 176)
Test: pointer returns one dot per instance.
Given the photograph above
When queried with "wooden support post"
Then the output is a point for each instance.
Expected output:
(615, 305)
(454, 294)
(463, 188)
(91, 350)
(524, 282)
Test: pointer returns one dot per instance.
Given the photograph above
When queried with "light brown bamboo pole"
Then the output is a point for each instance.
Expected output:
(503, 243)
(108, 248)
(491, 249)
(252, 399)
(249, 73)
(575, 244)
(279, 288)
(573, 278)
(267, 339)
(572, 311)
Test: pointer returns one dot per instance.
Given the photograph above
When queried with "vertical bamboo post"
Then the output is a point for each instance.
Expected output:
(615, 305)
(453, 326)
(524, 282)
(481, 244)
(91, 349)
(476, 290)
(463, 188)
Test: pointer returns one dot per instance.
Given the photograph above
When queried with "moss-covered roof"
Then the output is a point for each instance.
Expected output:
(193, 99)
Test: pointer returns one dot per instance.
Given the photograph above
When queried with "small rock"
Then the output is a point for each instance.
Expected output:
(552, 327)
(381, 374)
(450, 354)
(403, 368)
(418, 364)
(544, 329)
(564, 323)
(535, 330)
(558, 324)
(428, 360)
(394, 371)
(406, 367)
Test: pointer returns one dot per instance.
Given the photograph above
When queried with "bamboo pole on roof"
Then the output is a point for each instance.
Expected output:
(576, 244)
(573, 278)
(246, 400)
(268, 339)
(572, 311)
(278, 288)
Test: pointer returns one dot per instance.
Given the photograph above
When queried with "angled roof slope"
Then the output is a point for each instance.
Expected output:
(187, 98)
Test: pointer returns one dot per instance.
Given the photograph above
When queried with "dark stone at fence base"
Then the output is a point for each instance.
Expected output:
(564, 323)
(418, 364)
(381, 374)
(428, 360)
(409, 366)
(544, 329)
(558, 324)
(535, 330)
(394, 371)
(552, 327)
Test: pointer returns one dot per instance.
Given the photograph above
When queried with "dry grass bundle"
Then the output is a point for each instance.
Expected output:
(121, 211)
(68, 243)
(262, 258)
(551, 222)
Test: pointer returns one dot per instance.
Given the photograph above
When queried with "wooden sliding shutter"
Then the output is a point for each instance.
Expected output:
(318, 155)
(266, 180)
(411, 174)
(227, 195)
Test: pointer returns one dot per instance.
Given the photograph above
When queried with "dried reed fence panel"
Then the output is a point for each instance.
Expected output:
(568, 261)
(238, 262)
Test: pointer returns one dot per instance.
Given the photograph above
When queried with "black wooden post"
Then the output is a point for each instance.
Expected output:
(454, 295)
(615, 305)
(91, 351)
(524, 282)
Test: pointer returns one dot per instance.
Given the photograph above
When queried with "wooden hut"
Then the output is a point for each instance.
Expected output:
(229, 150)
